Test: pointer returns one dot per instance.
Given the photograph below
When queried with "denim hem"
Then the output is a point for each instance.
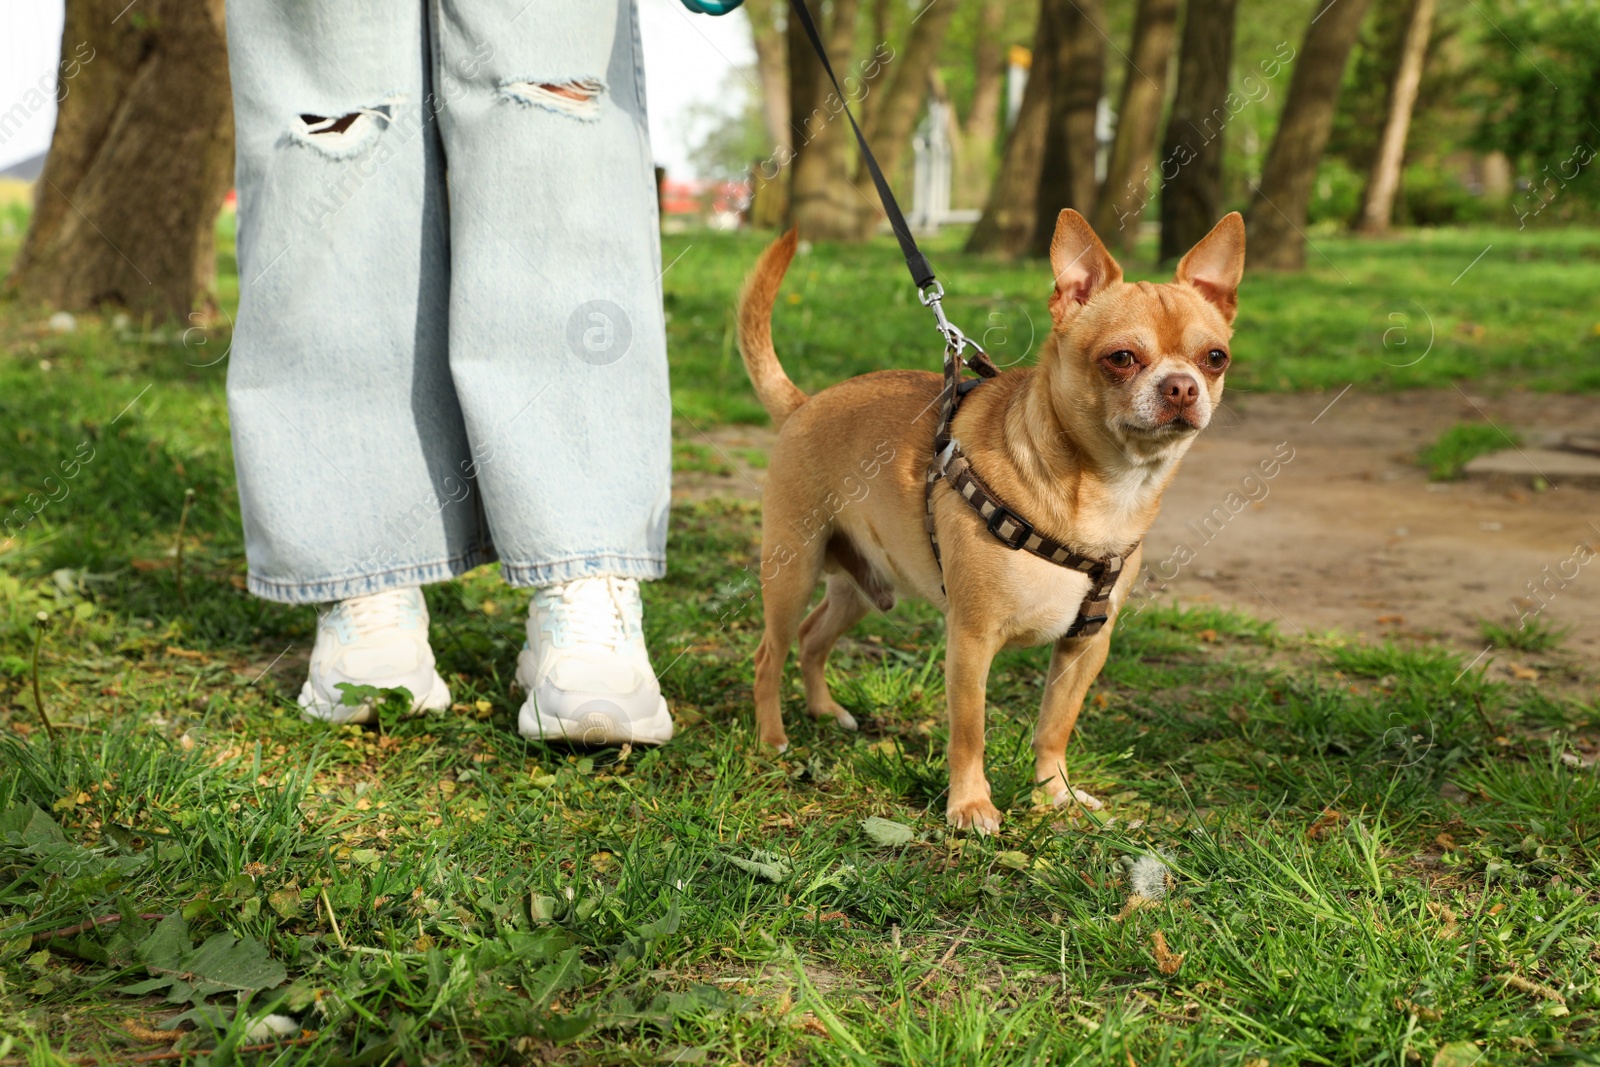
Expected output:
(564, 570)
(327, 590)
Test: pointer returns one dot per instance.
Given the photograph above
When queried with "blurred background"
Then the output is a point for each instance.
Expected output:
(1152, 117)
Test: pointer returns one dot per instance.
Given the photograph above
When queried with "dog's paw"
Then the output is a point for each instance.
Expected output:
(979, 815)
(777, 740)
(838, 713)
(1060, 796)
(1088, 800)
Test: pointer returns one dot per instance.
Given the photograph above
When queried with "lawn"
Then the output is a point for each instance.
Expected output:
(1373, 853)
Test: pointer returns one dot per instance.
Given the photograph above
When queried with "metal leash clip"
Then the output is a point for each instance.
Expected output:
(932, 298)
(955, 340)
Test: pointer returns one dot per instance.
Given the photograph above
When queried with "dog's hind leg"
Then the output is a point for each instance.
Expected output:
(791, 562)
(842, 608)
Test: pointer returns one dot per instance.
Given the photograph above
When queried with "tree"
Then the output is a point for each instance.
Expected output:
(821, 198)
(1067, 173)
(1191, 151)
(1006, 226)
(1384, 181)
(978, 135)
(890, 117)
(126, 209)
(1277, 215)
(1130, 182)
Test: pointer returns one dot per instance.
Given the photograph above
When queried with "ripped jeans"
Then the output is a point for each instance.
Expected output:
(450, 345)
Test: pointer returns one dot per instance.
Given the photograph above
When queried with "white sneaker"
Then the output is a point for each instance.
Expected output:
(379, 640)
(585, 668)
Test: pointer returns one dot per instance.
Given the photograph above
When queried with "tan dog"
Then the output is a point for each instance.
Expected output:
(1082, 446)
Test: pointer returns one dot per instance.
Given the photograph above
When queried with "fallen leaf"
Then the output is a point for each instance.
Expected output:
(1406, 1007)
(886, 832)
(1208, 636)
(1328, 820)
(1458, 1054)
(1521, 673)
(1445, 841)
(1167, 961)
(1391, 620)
(762, 864)
(1017, 861)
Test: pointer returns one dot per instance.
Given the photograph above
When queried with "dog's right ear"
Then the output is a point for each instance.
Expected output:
(1081, 264)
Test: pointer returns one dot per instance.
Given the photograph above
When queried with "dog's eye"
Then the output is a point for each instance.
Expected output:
(1121, 359)
(1216, 359)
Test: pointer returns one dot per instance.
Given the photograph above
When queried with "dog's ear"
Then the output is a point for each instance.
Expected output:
(1215, 265)
(1081, 263)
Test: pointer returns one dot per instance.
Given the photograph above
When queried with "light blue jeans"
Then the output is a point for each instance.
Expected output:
(450, 346)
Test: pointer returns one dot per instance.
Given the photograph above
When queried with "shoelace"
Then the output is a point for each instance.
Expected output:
(591, 611)
(380, 611)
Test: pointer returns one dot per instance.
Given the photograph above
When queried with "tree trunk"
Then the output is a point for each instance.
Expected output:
(894, 110)
(822, 201)
(772, 67)
(982, 127)
(1066, 178)
(125, 212)
(1130, 181)
(1006, 226)
(1277, 214)
(1191, 151)
(1384, 180)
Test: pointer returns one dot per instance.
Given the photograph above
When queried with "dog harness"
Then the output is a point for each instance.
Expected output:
(948, 462)
(1007, 527)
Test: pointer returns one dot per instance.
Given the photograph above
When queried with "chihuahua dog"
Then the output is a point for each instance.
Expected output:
(1081, 445)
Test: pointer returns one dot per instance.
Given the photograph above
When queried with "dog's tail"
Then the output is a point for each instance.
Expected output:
(778, 394)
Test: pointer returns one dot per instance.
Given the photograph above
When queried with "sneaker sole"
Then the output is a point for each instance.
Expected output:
(315, 710)
(595, 728)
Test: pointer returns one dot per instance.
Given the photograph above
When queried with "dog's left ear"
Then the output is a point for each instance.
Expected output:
(1215, 265)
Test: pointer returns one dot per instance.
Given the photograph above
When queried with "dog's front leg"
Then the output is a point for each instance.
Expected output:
(966, 675)
(1074, 666)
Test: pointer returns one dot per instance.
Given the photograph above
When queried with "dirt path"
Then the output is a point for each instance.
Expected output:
(1349, 534)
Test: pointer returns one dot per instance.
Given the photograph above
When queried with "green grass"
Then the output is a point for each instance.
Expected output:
(1460, 445)
(1532, 635)
(1377, 853)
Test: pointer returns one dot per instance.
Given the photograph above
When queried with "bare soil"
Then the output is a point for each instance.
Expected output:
(1349, 535)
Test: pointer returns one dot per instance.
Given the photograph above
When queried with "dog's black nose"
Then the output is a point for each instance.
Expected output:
(1180, 390)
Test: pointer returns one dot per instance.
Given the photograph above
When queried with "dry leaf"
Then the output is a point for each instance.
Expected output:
(1208, 636)
(1391, 620)
(1166, 960)
(1328, 820)
(1521, 673)
(1406, 1007)
(139, 1032)
(1445, 841)
(1135, 903)
(1516, 981)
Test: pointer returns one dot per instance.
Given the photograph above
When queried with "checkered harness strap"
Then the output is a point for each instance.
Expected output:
(1007, 527)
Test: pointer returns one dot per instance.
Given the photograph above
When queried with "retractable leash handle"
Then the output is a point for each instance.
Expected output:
(929, 291)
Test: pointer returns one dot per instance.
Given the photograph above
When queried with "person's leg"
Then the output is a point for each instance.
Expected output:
(352, 457)
(557, 340)
(351, 453)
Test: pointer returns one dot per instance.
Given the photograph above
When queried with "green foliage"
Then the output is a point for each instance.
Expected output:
(188, 975)
(1543, 66)
(1460, 445)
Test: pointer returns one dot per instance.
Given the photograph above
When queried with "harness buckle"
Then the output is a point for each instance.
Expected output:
(1003, 515)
